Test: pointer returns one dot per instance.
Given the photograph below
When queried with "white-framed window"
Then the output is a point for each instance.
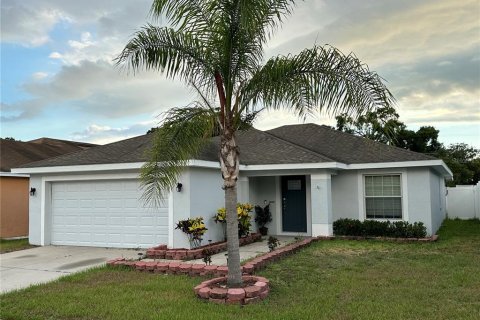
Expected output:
(383, 196)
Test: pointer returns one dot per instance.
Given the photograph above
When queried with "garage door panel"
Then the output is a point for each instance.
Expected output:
(106, 214)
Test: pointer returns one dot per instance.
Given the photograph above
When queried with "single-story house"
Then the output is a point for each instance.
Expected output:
(311, 175)
(14, 187)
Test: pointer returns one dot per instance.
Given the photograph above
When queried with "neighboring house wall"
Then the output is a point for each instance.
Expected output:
(14, 193)
(464, 201)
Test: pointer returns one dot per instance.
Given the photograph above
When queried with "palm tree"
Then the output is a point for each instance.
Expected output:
(216, 47)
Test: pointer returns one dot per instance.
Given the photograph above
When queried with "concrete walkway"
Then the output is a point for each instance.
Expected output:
(23, 268)
(247, 252)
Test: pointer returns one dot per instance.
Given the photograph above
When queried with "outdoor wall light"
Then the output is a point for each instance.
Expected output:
(32, 191)
(179, 187)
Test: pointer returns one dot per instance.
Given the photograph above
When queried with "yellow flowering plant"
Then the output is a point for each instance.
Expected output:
(243, 216)
(194, 228)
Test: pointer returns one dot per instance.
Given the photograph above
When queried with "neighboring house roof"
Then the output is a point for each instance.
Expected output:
(63, 144)
(305, 143)
(14, 154)
(344, 147)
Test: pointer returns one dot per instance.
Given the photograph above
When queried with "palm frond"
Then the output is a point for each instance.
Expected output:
(176, 53)
(182, 135)
(318, 79)
(193, 16)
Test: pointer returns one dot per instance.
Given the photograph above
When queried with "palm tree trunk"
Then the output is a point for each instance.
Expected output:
(234, 270)
(229, 165)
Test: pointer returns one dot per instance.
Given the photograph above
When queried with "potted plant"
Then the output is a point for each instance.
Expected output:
(262, 217)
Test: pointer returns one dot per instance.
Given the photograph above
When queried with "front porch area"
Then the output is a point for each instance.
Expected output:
(301, 204)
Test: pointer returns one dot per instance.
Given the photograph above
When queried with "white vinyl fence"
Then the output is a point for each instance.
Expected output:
(463, 202)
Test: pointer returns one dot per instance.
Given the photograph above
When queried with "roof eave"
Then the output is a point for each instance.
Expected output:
(437, 165)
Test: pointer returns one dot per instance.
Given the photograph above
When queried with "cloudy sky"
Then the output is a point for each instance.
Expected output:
(58, 79)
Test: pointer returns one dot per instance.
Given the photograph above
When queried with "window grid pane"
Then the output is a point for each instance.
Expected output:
(383, 197)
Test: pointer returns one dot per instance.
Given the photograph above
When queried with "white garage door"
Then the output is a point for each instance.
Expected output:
(105, 214)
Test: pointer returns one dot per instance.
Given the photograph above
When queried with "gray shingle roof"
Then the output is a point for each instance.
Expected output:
(344, 147)
(259, 147)
(16, 153)
(307, 143)
(124, 151)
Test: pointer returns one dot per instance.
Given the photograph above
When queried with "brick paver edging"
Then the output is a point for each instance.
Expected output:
(249, 268)
(257, 290)
(162, 252)
(175, 267)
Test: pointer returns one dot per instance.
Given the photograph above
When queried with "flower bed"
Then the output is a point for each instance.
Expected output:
(162, 252)
(214, 290)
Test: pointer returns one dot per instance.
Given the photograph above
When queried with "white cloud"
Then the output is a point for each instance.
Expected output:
(99, 89)
(55, 55)
(26, 25)
(103, 134)
(39, 75)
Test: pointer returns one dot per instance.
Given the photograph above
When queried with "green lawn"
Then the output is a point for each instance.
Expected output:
(14, 245)
(328, 280)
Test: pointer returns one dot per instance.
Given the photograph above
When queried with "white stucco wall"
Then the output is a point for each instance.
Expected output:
(422, 195)
(264, 189)
(419, 200)
(345, 194)
(34, 217)
(206, 196)
(438, 199)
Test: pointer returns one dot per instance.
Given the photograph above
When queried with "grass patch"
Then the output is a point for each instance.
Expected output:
(14, 245)
(335, 279)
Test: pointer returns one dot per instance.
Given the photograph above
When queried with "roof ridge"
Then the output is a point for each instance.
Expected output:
(297, 146)
(60, 140)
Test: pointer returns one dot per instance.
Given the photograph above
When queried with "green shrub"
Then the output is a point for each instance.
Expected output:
(374, 228)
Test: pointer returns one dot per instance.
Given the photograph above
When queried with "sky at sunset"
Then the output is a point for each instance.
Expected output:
(58, 77)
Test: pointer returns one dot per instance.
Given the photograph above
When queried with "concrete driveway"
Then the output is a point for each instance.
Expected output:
(21, 269)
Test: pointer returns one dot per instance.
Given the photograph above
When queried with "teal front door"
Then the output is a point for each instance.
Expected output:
(294, 204)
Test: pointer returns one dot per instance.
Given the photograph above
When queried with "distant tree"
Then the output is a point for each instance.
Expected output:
(152, 130)
(380, 125)
(464, 161)
(383, 125)
(11, 139)
(424, 140)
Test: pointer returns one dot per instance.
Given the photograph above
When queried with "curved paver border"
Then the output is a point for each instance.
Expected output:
(210, 291)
